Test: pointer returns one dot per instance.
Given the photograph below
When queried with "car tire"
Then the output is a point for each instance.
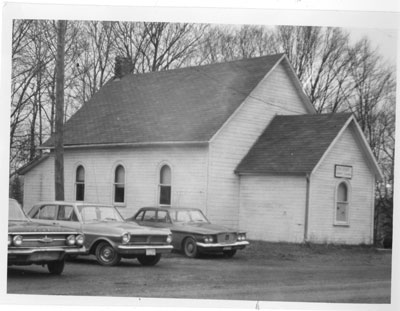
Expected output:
(230, 253)
(190, 248)
(106, 255)
(56, 267)
(149, 260)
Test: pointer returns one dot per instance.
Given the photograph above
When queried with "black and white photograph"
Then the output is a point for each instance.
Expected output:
(199, 157)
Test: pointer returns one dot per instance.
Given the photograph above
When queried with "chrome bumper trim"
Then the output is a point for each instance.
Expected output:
(213, 245)
(40, 250)
(156, 247)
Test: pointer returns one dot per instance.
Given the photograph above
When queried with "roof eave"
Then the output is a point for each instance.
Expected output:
(141, 144)
(365, 146)
(309, 106)
(26, 168)
(270, 173)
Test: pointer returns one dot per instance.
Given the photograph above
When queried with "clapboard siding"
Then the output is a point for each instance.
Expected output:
(346, 151)
(273, 207)
(188, 166)
(276, 94)
(39, 183)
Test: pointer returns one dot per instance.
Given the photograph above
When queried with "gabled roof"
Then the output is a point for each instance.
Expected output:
(297, 144)
(32, 164)
(182, 105)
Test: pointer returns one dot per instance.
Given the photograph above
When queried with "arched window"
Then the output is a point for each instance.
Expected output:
(165, 185)
(342, 203)
(119, 184)
(80, 183)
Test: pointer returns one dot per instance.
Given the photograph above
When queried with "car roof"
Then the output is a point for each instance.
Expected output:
(161, 208)
(71, 203)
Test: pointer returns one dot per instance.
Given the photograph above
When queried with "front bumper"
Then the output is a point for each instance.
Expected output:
(143, 249)
(21, 256)
(222, 246)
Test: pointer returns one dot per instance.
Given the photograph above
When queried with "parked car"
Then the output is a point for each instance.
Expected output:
(192, 233)
(107, 235)
(32, 243)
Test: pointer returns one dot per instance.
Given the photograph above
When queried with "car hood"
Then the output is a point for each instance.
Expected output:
(119, 227)
(29, 226)
(202, 228)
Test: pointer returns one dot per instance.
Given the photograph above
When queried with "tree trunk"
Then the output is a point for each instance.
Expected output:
(59, 134)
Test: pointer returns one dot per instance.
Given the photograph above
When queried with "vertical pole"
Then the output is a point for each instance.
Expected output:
(59, 122)
(307, 209)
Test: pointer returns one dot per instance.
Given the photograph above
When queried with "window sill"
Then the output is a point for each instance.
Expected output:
(119, 204)
(338, 224)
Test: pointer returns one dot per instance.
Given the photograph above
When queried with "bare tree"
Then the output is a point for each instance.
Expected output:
(94, 65)
(226, 43)
(157, 46)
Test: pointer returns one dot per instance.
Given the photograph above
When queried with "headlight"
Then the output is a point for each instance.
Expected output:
(17, 240)
(70, 240)
(9, 240)
(242, 236)
(208, 239)
(126, 237)
(169, 238)
(80, 239)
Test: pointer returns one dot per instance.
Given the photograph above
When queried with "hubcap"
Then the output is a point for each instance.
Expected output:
(190, 247)
(107, 254)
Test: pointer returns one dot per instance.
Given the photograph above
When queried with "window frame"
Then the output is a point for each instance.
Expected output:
(114, 184)
(160, 185)
(79, 182)
(337, 222)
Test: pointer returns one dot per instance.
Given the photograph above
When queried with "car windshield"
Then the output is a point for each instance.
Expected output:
(99, 213)
(15, 211)
(185, 216)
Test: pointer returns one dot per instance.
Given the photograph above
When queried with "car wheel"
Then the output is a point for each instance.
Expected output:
(230, 253)
(56, 267)
(106, 255)
(149, 260)
(190, 248)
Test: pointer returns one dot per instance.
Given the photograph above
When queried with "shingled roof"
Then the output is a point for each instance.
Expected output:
(182, 105)
(293, 144)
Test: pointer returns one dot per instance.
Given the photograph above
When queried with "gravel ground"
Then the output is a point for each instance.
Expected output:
(262, 272)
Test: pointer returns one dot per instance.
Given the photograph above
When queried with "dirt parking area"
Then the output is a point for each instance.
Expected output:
(262, 272)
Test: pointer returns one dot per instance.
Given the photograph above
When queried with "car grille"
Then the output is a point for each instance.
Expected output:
(44, 240)
(146, 239)
(226, 238)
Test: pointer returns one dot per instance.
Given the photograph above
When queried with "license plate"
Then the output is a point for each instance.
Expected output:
(150, 252)
(45, 256)
(228, 248)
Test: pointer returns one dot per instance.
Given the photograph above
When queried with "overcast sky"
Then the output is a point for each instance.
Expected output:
(383, 39)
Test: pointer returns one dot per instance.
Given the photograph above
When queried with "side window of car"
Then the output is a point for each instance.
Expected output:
(89, 213)
(46, 212)
(162, 216)
(150, 216)
(139, 216)
(66, 213)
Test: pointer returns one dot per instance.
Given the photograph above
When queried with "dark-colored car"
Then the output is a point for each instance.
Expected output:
(107, 235)
(192, 233)
(32, 243)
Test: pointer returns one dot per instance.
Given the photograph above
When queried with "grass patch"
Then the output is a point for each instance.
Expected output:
(293, 251)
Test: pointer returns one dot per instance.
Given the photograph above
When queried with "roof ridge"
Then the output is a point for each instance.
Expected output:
(230, 62)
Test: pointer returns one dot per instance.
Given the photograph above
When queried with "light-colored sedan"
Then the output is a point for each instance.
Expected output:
(107, 235)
